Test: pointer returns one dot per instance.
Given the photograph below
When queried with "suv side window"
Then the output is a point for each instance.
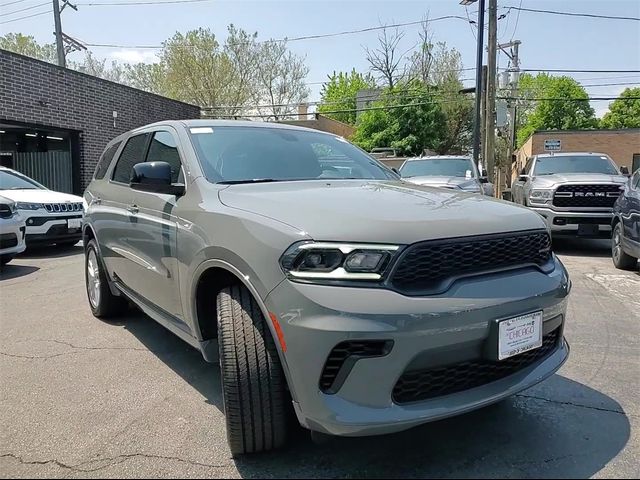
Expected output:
(163, 148)
(636, 180)
(132, 154)
(105, 161)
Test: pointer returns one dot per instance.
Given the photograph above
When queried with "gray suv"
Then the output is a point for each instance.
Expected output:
(574, 192)
(320, 281)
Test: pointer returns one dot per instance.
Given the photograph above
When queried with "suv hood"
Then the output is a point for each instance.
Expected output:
(378, 211)
(39, 196)
(452, 182)
(549, 181)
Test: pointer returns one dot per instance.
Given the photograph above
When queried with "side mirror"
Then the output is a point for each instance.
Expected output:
(624, 170)
(154, 177)
(396, 171)
(523, 177)
(484, 173)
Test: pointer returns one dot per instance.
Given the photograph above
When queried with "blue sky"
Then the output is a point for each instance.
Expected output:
(547, 41)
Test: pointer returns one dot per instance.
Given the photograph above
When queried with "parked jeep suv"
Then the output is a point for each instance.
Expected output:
(574, 192)
(319, 280)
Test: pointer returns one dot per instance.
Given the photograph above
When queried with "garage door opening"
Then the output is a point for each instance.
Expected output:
(41, 153)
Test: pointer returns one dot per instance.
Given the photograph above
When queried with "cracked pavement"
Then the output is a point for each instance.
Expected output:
(81, 398)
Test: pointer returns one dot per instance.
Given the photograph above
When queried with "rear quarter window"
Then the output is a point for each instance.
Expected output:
(132, 154)
(105, 161)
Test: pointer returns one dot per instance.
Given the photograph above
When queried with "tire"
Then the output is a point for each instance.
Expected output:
(621, 260)
(102, 302)
(253, 383)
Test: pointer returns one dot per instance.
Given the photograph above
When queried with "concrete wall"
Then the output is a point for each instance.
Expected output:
(324, 124)
(39, 93)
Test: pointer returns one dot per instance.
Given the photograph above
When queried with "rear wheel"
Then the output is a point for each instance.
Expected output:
(103, 303)
(253, 383)
(620, 259)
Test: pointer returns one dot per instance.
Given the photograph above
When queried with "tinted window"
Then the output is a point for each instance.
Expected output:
(105, 161)
(636, 180)
(132, 154)
(439, 167)
(13, 181)
(163, 148)
(235, 154)
(575, 164)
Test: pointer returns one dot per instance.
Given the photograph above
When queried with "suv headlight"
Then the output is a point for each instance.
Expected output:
(540, 196)
(28, 206)
(324, 261)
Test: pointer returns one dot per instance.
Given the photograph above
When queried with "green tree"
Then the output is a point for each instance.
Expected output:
(408, 118)
(624, 112)
(567, 107)
(27, 45)
(339, 93)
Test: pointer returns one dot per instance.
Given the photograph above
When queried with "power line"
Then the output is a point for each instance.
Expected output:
(24, 9)
(26, 16)
(517, 20)
(568, 99)
(571, 14)
(11, 3)
(150, 2)
(561, 70)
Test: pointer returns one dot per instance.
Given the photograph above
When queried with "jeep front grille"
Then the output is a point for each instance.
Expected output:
(63, 207)
(430, 267)
(586, 195)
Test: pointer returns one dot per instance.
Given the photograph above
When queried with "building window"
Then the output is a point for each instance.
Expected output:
(636, 162)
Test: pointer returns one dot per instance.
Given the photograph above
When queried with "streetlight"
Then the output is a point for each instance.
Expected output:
(480, 45)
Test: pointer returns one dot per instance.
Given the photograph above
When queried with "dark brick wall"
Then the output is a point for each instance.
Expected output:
(40, 93)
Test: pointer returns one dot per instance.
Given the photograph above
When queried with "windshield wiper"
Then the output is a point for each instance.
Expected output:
(23, 188)
(248, 180)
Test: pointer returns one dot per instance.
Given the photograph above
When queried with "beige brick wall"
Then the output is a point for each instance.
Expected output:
(620, 145)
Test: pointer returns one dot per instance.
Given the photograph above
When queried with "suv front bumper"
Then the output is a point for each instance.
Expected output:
(434, 331)
(567, 223)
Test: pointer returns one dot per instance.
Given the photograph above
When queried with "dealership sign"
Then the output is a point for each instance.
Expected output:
(552, 145)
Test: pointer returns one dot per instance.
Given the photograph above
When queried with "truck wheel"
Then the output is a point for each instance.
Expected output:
(103, 303)
(253, 384)
(620, 259)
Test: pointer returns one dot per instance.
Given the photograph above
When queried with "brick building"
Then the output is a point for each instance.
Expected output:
(55, 122)
(623, 146)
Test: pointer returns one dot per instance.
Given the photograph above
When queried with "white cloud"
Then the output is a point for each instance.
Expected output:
(134, 56)
(602, 106)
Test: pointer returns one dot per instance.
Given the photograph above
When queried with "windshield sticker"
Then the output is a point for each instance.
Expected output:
(197, 130)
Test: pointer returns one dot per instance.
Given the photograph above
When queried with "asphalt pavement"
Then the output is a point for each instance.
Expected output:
(81, 397)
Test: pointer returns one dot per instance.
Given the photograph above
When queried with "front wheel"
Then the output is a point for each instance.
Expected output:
(103, 303)
(253, 383)
(620, 259)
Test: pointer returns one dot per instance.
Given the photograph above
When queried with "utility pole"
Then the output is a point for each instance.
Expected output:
(478, 99)
(483, 118)
(58, 33)
(64, 43)
(491, 89)
(514, 78)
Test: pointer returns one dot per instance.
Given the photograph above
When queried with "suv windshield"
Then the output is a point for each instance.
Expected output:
(575, 164)
(11, 181)
(253, 154)
(440, 167)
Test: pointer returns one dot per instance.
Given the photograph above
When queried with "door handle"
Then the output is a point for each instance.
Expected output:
(133, 209)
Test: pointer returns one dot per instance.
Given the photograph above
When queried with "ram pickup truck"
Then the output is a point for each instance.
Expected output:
(574, 192)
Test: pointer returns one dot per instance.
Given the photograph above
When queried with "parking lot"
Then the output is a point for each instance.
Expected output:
(85, 398)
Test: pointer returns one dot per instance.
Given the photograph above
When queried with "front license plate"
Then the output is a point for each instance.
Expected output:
(519, 334)
(74, 223)
(588, 229)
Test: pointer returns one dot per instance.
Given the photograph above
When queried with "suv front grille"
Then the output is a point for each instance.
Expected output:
(586, 195)
(430, 267)
(344, 355)
(422, 385)
(63, 207)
